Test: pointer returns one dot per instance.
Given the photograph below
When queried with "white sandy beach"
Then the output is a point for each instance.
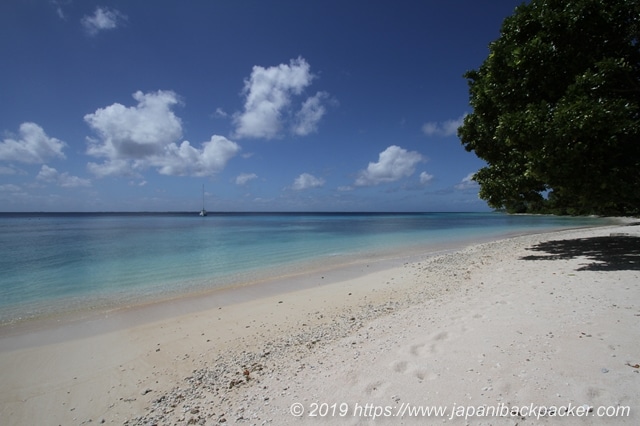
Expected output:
(518, 325)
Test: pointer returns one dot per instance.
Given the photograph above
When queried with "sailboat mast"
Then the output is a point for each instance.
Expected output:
(203, 212)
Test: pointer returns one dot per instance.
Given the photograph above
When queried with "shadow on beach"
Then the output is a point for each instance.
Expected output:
(608, 253)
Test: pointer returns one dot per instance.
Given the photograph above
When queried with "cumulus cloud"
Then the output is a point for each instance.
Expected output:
(306, 181)
(148, 135)
(135, 132)
(244, 178)
(445, 128)
(312, 111)
(51, 175)
(268, 95)
(102, 19)
(425, 178)
(113, 167)
(467, 183)
(393, 163)
(186, 160)
(32, 146)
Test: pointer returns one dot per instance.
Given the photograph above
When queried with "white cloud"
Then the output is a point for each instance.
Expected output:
(33, 146)
(425, 178)
(113, 167)
(394, 163)
(51, 175)
(220, 113)
(147, 135)
(102, 19)
(306, 181)
(268, 93)
(58, 5)
(243, 178)
(312, 111)
(468, 183)
(186, 160)
(7, 170)
(135, 132)
(430, 128)
(9, 187)
(445, 128)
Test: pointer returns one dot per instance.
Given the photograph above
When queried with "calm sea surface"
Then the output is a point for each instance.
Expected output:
(53, 263)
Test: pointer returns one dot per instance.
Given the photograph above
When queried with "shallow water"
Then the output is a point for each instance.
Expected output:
(53, 263)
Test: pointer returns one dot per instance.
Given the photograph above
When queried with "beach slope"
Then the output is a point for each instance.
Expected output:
(497, 333)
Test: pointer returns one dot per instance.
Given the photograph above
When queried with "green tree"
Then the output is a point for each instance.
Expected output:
(556, 109)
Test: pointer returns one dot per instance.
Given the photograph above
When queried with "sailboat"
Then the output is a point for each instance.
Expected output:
(203, 212)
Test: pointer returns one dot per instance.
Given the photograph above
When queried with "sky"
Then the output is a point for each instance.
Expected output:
(280, 105)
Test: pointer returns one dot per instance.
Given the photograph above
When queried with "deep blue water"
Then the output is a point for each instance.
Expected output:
(57, 262)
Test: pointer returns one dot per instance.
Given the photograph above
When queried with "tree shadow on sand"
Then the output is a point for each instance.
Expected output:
(617, 252)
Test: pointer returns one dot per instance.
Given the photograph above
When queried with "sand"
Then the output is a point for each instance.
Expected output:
(516, 326)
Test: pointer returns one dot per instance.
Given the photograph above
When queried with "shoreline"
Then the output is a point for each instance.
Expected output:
(320, 341)
(143, 309)
(300, 276)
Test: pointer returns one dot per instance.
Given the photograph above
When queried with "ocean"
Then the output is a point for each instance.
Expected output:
(52, 263)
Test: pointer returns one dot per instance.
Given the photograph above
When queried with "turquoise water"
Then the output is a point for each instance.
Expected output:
(56, 262)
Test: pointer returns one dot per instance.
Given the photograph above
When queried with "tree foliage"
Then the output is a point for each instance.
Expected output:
(556, 109)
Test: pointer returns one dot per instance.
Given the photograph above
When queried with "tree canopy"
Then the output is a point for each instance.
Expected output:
(556, 109)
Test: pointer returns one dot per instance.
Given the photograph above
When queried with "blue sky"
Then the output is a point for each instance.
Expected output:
(272, 105)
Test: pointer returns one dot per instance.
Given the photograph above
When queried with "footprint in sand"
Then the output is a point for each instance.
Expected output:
(399, 366)
(441, 336)
(375, 387)
(415, 361)
(423, 374)
(418, 350)
(420, 372)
